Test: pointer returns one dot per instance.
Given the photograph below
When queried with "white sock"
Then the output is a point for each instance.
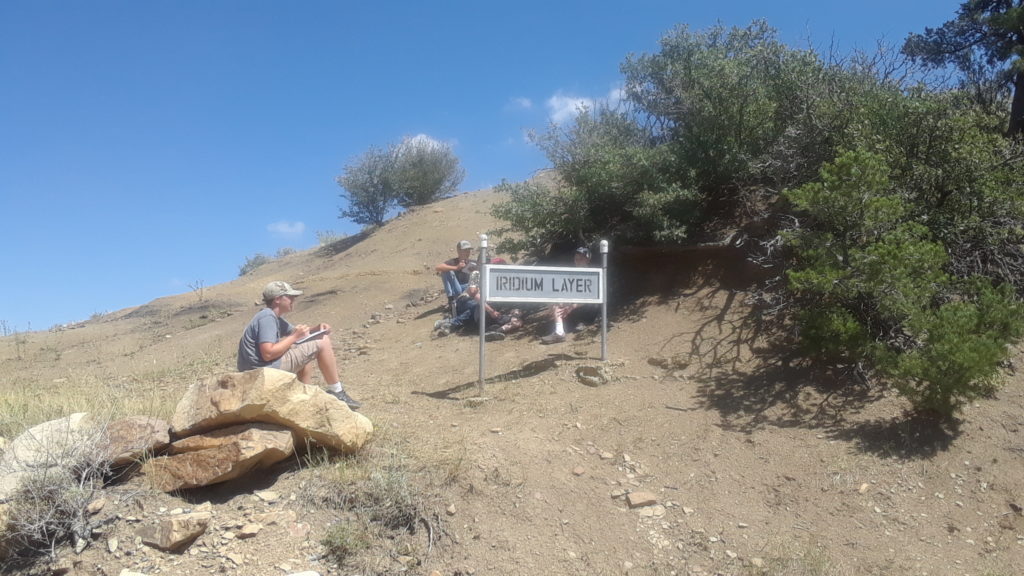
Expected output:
(336, 387)
(559, 328)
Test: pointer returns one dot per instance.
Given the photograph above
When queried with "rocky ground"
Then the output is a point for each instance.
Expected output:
(702, 449)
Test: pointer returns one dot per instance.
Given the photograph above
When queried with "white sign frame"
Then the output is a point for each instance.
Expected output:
(552, 279)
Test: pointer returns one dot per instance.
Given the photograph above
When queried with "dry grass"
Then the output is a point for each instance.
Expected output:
(386, 498)
(62, 472)
(150, 393)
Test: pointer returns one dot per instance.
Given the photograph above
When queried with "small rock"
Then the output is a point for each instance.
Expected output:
(80, 545)
(607, 456)
(235, 557)
(578, 471)
(496, 430)
(618, 493)
(732, 555)
(688, 511)
(249, 530)
(268, 496)
(408, 561)
(757, 562)
(450, 510)
(95, 506)
(112, 545)
(656, 511)
(640, 499)
(863, 488)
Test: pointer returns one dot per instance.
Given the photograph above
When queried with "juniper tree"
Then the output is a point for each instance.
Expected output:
(986, 35)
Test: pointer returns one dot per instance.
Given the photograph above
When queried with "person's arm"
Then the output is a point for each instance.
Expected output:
(271, 351)
(446, 266)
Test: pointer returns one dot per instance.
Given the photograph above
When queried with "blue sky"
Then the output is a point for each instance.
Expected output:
(147, 146)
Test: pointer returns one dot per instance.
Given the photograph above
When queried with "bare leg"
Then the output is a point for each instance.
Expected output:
(305, 374)
(326, 361)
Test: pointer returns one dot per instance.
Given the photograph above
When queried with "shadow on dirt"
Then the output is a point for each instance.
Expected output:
(910, 437)
(525, 371)
(744, 367)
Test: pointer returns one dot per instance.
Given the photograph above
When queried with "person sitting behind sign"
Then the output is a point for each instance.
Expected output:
(571, 314)
(455, 273)
(467, 305)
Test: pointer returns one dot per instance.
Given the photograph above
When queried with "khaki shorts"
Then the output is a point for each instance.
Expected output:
(299, 355)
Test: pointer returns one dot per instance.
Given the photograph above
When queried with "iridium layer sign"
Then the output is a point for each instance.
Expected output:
(544, 284)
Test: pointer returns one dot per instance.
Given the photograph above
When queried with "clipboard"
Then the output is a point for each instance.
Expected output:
(312, 336)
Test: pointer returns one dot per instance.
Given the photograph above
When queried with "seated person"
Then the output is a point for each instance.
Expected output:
(270, 341)
(467, 306)
(572, 315)
(455, 272)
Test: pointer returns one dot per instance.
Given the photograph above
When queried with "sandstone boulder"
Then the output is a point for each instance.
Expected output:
(219, 456)
(272, 396)
(129, 439)
(73, 441)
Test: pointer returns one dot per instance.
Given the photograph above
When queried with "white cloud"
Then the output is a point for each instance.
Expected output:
(524, 103)
(285, 229)
(562, 107)
(615, 96)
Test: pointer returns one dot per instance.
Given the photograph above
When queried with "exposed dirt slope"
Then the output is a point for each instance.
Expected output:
(753, 462)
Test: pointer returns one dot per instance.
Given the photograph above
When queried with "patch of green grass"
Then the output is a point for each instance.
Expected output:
(810, 561)
(344, 540)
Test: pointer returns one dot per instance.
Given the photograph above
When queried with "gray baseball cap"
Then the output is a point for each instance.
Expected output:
(464, 245)
(278, 288)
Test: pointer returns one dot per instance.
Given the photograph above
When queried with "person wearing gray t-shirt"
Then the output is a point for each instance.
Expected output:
(271, 341)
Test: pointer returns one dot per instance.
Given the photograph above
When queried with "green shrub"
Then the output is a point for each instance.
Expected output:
(413, 172)
(369, 187)
(902, 215)
(425, 171)
(613, 183)
(344, 540)
(252, 263)
(876, 291)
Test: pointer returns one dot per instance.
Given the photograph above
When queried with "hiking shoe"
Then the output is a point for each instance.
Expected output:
(553, 339)
(494, 336)
(352, 403)
(443, 327)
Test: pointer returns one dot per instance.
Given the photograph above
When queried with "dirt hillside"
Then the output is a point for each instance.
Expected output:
(757, 463)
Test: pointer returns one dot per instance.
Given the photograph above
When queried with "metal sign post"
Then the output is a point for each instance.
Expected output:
(604, 301)
(482, 307)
